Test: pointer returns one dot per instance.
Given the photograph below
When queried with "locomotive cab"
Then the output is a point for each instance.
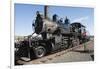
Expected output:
(81, 31)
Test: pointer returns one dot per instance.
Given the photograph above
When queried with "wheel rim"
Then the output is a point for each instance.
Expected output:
(40, 52)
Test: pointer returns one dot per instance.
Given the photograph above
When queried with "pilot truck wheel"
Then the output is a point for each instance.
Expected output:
(39, 51)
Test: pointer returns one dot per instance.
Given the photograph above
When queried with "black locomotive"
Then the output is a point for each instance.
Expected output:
(54, 36)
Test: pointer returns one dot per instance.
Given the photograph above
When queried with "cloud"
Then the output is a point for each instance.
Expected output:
(81, 19)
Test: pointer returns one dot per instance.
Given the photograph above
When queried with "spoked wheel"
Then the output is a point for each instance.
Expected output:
(40, 51)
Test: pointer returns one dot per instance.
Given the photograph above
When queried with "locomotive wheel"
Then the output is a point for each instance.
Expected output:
(40, 51)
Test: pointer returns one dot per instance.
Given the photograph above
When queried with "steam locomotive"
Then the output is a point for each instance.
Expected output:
(54, 36)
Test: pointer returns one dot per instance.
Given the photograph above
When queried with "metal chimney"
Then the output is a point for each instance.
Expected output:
(45, 12)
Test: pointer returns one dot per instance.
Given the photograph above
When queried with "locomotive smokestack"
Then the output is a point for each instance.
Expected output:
(45, 12)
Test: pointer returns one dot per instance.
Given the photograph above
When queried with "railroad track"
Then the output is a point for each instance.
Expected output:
(49, 57)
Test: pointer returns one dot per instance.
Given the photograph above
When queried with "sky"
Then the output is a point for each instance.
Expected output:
(24, 15)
